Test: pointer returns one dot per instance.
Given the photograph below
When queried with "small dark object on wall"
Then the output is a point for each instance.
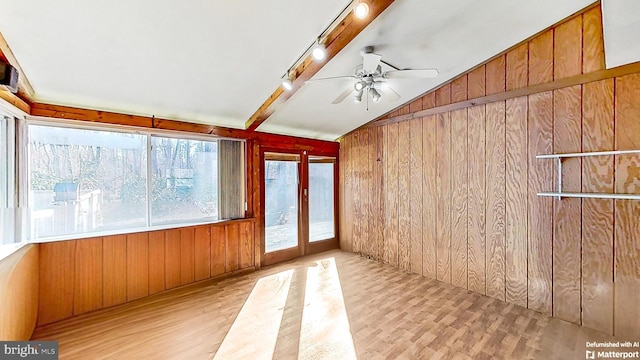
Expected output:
(9, 77)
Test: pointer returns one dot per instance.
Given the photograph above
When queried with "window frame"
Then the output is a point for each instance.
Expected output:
(148, 133)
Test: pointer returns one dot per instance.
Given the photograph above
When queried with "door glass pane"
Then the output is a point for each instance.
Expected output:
(321, 217)
(281, 205)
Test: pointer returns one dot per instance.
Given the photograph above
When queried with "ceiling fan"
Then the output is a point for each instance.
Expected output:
(370, 80)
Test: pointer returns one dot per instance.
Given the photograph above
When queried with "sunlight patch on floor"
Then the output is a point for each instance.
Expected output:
(325, 331)
(254, 333)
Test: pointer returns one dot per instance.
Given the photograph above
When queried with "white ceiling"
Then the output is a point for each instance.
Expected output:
(452, 36)
(216, 62)
(621, 29)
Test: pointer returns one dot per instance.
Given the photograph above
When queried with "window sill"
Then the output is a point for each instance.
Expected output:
(7, 250)
(135, 230)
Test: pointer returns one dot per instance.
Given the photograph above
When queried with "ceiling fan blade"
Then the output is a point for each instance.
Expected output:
(348, 77)
(391, 94)
(370, 62)
(344, 95)
(407, 74)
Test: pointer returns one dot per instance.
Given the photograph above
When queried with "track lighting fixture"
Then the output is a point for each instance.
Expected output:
(319, 51)
(361, 10)
(287, 81)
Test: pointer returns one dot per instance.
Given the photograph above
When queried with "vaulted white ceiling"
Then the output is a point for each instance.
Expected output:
(216, 62)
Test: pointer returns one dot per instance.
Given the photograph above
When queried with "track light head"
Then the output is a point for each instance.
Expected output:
(361, 10)
(319, 52)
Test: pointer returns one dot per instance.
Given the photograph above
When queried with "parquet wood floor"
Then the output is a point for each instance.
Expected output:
(334, 305)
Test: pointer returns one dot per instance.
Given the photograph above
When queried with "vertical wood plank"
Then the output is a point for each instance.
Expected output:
(357, 182)
(495, 137)
(540, 216)
(391, 210)
(476, 199)
(416, 175)
(627, 212)
(459, 89)
(429, 196)
(88, 276)
(246, 245)
(202, 250)
(593, 41)
(137, 266)
(567, 213)
(232, 238)
(172, 258)
(366, 194)
(476, 83)
(114, 270)
(57, 266)
(541, 58)
(346, 230)
(443, 191)
(597, 214)
(517, 67)
(496, 75)
(218, 242)
(156, 262)
(187, 263)
(567, 50)
(516, 201)
(429, 100)
(379, 188)
(404, 193)
(443, 95)
(459, 244)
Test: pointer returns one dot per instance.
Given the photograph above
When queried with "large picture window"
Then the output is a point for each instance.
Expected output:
(83, 181)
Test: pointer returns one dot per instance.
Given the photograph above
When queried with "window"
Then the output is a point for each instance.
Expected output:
(185, 180)
(88, 180)
(9, 238)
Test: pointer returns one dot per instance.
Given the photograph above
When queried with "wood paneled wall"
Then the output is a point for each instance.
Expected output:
(19, 294)
(78, 276)
(458, 199)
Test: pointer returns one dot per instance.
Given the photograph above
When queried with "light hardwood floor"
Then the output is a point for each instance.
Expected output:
(334, 305)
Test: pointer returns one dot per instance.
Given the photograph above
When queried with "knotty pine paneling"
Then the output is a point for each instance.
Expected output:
(627, 212)
(577, 260)
(443, 197)
(540, 209)
(597, 214)
(429, 196)
(516, 201)
(495, 190)
(416, 175)
(476, 150)
(459, 183)
(88, 276)
(358, 166)
(78, 276)
(378, 207)
(567, 213)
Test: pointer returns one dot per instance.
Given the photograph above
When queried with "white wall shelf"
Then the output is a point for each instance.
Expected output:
(561, 194)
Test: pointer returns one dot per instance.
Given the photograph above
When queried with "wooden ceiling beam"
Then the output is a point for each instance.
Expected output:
(106, 117)
(336, 40)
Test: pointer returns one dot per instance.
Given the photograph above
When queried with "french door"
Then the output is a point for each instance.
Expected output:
(298, 203)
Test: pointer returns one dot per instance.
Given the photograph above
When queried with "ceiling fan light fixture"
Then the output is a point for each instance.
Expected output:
(359, 86)
(319, 52)
(361, 10)
(375, 95)
(358, 96)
